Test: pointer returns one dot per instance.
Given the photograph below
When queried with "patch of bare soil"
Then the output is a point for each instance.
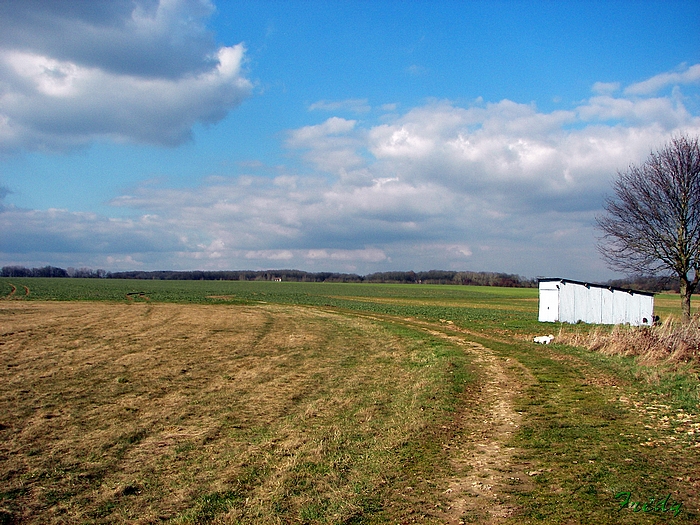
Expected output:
(137, 295)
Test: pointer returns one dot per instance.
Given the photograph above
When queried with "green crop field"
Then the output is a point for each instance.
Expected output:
(512, 306)
(130, 401)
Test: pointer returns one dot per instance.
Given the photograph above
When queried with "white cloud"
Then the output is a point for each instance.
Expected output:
(497, 186)
(331, 146)
(688, 75)
(143, 38)
(666, 112)
(270, 255)
(306, 136)
(61, 96)
(367, 255)
(54, 230)
(395, 141)
(605, 88)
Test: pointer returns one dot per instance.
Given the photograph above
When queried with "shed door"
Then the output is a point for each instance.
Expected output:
(549, 306)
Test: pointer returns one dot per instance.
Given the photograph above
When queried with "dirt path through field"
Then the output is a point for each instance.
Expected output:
(485, 470)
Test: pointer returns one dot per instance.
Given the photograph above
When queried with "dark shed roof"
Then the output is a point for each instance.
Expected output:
(589, 285)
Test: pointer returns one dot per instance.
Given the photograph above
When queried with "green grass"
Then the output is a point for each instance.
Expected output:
(512, 308)
(592, 426)
(592, 442)
(287, 292)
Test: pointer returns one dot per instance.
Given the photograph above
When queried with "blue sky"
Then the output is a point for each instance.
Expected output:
(331, 136)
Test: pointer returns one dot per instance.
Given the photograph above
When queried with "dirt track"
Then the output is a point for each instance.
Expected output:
(485, 469)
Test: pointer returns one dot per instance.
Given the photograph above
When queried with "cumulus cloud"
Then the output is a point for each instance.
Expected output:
(485, 186)
(686, 75)
(144, 38)
(129, 71)
(308, 134)
(605, 88)
(331, 146)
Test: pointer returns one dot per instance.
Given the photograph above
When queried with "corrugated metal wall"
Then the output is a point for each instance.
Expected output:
(571, 302)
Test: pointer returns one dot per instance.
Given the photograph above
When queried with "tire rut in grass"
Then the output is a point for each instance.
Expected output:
(13, 292)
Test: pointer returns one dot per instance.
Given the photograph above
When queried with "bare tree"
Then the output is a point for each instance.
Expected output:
(652, 225)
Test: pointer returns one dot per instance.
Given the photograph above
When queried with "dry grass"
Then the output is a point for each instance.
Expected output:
(672, 342)
(151, 413)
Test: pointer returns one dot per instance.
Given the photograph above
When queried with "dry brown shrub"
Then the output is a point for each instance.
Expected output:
(670, 342)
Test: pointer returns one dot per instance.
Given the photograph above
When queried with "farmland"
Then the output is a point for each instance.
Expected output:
(264, 402)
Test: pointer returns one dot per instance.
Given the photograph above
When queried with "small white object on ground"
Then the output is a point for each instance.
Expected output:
(544, 339)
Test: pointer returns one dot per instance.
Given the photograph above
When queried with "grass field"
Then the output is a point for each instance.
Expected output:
(260, 402)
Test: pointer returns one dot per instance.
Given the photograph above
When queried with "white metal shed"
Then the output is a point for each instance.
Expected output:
(569, 301)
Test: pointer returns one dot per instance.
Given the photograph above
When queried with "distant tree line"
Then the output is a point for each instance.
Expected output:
(51, 271)
(397, 277)
(453, 277)
(238, 275)
(648, 284)
(21, 271)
